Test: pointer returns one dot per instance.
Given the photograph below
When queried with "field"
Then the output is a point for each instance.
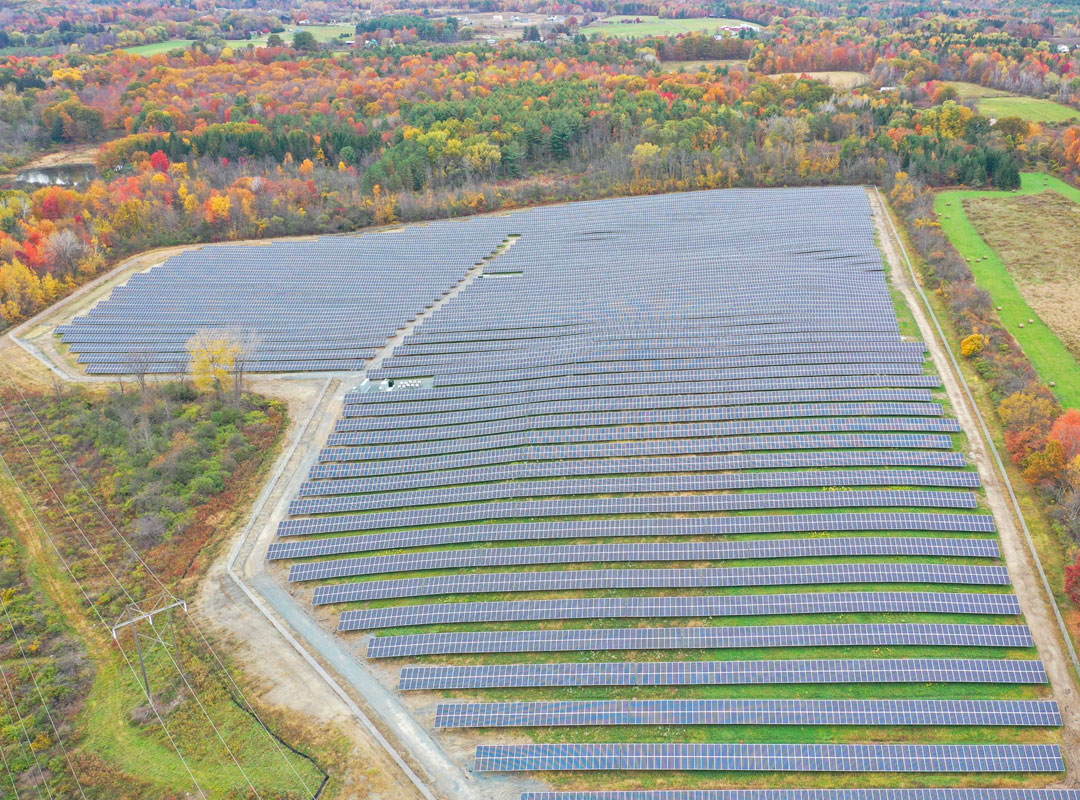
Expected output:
(654, 26)
(839, 79)
(996, 104)
(158, 47)
(1020, 266)
(322, 33)
(697, 66)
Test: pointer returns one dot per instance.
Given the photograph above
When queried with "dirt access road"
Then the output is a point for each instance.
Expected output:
(1027, 584)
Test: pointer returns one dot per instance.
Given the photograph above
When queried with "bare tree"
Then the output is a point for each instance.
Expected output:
(248, 346)
(139, 363)
(65, 249)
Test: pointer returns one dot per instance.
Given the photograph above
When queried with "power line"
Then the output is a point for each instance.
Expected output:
(246, 705)
(44, 705)
(10, 772)
(128, 594)
(29, 744)
(67, 568)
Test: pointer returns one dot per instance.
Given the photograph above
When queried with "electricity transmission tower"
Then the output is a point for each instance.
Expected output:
(147, 625)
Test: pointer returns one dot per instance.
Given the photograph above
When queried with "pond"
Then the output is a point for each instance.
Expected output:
(71, 175)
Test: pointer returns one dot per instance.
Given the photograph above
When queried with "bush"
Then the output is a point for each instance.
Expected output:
(972, 345)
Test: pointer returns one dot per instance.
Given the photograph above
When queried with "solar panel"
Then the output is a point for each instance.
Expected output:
(935, 793)
(673, 607)
(648, 552)
(697, 446)
(602, 528)
(722, 673)
(949, 758)
(582, 579)
(562, 713)
(322, 474)
(421, 445)
(838, 635)
(685, 504)
(651, 484)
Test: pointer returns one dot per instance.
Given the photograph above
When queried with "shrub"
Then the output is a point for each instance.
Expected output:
(973, 345)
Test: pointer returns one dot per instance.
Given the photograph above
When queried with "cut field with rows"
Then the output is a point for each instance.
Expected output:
(627, 26)
(840, 79)
(1021, 248)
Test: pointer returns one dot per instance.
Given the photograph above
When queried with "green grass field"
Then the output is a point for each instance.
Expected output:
(997, 104)
(322, 33)
(1029, 108)
(654, 26)
(157, 48)
(1051, 359)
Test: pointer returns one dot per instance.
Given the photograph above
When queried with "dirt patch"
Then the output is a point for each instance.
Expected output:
(1033, 600)
(1038, 239)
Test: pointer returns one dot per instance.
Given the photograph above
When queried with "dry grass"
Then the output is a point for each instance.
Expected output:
(700, 64)
(1038, 238)
(838, 79)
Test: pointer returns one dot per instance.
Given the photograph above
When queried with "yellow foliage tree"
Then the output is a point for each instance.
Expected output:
(20, 291)
(1023, 409)
(972, 345)
(213, 360)
(645, 157)
(383, 206)
(903, 192)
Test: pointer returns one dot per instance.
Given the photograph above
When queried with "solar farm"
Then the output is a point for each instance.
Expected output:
(660, 505)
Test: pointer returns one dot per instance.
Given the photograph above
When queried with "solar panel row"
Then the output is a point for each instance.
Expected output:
(663, 551)
(722, 673)
(675, 607)
(772, 757)
(708, 577)
(836, 635)
(604, 528)
(1042, 713)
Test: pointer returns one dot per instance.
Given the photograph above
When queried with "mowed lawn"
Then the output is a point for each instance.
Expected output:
(322, 33)
(158, 47)
(996, 104)
(1048, 354)
(654, 26)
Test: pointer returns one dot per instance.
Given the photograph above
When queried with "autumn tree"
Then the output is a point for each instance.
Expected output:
(1066, 431)
(213, 356)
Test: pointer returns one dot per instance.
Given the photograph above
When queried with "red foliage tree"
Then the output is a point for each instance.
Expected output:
(1072, 581)
(1066, 430)
(159, 161)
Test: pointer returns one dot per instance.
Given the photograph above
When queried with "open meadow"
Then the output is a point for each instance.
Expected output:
(1021, 247)
(626, 26)
(998, 104)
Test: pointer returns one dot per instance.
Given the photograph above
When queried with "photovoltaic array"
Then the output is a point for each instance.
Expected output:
(674, 445)
(321, 305)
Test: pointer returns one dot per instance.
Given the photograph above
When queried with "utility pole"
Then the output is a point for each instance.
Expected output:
(139, 617)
